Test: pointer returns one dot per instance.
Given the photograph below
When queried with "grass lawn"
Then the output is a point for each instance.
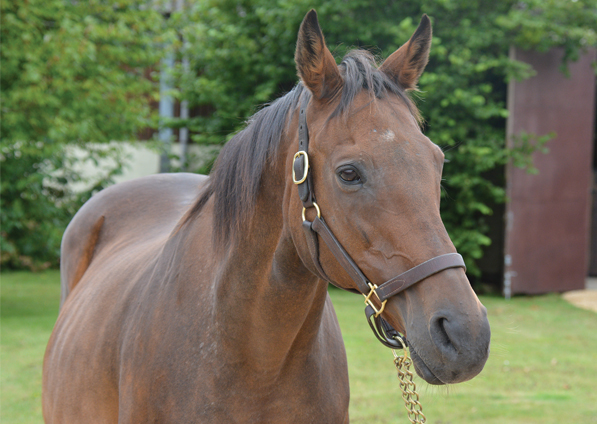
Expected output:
(542, 367)
(29, 305)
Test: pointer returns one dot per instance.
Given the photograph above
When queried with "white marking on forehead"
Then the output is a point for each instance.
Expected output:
(388, 135)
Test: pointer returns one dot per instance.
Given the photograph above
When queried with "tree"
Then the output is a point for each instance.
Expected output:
(241, 55)
(72, 73)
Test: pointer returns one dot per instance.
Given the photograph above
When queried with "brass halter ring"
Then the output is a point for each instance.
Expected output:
(316, 206)
(305, 166)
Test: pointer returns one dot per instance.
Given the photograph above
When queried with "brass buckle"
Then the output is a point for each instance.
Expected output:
(316, 206)
(370, 303)
(305, 167)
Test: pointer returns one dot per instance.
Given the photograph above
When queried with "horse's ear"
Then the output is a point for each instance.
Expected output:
(315, 64)
(406, 64)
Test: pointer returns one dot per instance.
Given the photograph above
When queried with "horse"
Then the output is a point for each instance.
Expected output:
(189, 298)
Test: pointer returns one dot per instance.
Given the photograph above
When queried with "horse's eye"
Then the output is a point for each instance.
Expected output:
(349, 175)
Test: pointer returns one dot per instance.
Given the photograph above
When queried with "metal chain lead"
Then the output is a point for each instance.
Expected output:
(407, 386)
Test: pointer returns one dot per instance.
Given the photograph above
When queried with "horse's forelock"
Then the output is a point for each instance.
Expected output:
(359, 71)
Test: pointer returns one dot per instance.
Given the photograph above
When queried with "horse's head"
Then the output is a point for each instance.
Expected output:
(376, 178)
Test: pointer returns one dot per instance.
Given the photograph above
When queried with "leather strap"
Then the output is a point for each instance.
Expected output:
(320, 227)
(395, 285)
(384, 332)
(420, 272)
(305, 188)
(313, 244)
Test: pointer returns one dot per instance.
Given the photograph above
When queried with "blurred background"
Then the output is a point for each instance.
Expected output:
(97, 92)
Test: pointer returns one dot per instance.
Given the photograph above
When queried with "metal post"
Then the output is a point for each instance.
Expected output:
(183, 136)
(166, 111)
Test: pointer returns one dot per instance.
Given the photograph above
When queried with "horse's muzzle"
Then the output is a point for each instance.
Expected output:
(457, 347)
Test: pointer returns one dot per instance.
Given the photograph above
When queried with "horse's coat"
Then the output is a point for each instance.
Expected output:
(193, 299)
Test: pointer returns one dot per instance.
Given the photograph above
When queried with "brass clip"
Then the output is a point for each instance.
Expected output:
(370, 303)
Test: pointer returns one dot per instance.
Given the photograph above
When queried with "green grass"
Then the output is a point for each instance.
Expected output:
(29, 305)
(542, 367)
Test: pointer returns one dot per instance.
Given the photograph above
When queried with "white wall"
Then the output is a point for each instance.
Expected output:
(140, 158)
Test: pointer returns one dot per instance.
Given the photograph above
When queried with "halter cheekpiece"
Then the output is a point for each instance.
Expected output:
(381, 328)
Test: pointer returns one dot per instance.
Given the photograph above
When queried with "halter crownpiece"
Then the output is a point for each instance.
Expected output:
(318, 228)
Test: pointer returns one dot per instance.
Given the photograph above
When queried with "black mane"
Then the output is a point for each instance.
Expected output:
(235, 179)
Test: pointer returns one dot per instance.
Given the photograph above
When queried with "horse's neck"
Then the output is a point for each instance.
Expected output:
(279, 302)
(267, 305)
(271, 303)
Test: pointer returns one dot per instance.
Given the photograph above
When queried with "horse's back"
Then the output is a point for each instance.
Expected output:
(122, 215)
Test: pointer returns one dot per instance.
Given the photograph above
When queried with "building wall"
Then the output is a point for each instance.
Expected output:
(548, 214)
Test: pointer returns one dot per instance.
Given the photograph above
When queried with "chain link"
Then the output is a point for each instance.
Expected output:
(408, 387)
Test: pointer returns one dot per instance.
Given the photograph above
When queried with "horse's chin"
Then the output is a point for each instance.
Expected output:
(423, 370)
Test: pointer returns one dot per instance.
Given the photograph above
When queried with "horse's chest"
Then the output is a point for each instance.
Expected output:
(297, 401)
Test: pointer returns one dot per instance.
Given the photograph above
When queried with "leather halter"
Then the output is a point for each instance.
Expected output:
(381, 328)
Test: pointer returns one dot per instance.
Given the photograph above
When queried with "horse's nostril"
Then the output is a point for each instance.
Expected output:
(440, 334)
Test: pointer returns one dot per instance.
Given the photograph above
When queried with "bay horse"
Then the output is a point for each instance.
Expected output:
(194, 299)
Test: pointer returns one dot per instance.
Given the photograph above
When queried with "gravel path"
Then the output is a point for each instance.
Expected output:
(586, 299)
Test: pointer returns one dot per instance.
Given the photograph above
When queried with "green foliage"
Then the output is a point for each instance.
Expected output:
(31, 223)
(522, 147)
(229, 45)
(75, 70)
(72, 72)
(36, 200)
(543, 24)
(241, 54)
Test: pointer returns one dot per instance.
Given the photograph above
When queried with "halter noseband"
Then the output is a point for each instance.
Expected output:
(381, 328)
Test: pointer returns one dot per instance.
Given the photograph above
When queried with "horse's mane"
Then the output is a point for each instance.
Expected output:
(235, 179)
